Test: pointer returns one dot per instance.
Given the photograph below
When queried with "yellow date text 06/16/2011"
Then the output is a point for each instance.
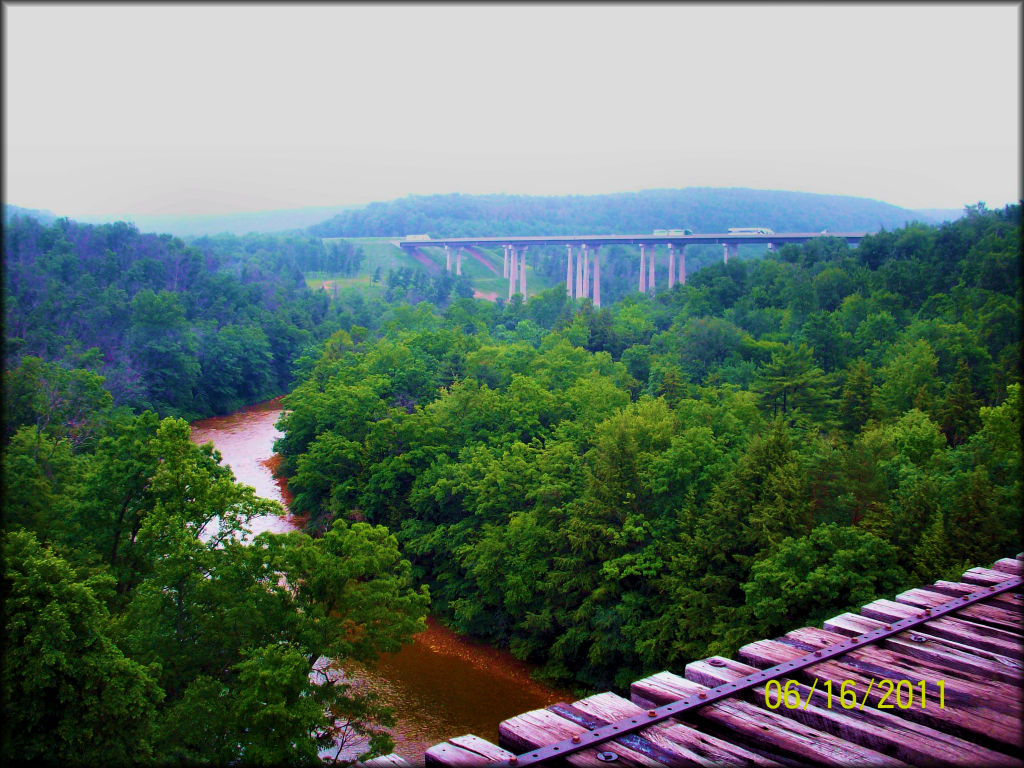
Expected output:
(890, 694)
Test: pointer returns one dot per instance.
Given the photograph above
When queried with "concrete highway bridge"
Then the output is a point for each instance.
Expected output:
(583, 273)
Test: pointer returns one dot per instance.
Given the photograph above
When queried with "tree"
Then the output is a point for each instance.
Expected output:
(238, 631)
(828, 343)
(58, 401)
(273, 712)
(831, 286)
(70, 695)
(353, 588)
(908, 378)
(791, 382)
(39, 475)
(810, 578)
(958, 413)
(163, 345)
(981, 496)
(856, 405)
(707, 342)
(236, 367)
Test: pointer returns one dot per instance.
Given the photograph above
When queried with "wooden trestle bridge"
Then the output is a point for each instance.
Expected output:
(933, 677)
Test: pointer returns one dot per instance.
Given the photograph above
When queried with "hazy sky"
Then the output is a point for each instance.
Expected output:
(185, 109)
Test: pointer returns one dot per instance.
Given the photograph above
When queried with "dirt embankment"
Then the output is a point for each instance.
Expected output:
(426, 261)
(483, 260)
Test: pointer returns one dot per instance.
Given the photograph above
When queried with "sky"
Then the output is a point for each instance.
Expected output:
(183, 109)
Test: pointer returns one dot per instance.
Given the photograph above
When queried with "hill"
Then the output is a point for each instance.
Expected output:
(608, 492)
(702, 209)
(42, 216)
(183, 329)
(246, 222)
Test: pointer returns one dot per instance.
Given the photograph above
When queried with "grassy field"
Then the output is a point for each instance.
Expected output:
(382, 253)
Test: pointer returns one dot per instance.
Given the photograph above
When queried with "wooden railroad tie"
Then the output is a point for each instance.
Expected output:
(933, 677)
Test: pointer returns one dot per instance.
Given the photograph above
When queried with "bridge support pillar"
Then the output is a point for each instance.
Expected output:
(643, 268)
(504, 269)
(458, 262)
(579, 274)
(682, 265)
(522, 273)
(586, 272)
(731, 249)
(671, 265)
(650, 271)
(597, 277)
(447, 259)
(568, 270)
(513, 268)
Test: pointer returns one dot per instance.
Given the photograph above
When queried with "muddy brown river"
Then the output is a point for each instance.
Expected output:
(441, 685)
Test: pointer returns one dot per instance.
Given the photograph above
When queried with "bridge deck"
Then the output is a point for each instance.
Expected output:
(720, 238)
(973, 718)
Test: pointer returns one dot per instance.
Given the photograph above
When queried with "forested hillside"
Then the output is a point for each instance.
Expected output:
(10, 211)
(614, 492)
(698, 208)
(606, 492)
(138, 627)
(185, 329)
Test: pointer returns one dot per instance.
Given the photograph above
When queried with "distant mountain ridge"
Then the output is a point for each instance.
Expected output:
(243, 223)
(699, 208)
(702, 209)
(259, 222)
(40, 215)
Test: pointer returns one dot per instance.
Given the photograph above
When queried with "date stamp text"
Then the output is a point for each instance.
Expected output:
(851, 694)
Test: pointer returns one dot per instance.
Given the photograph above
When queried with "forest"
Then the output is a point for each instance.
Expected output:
(138, 628)
(614, 492)
(606, 492)
(185, 329)
(702, 209)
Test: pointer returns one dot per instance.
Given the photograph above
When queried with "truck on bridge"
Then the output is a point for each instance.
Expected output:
(750, 231)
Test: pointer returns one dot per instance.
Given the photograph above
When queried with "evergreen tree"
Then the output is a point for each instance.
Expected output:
(958, 413)
(792, 382)
(856, 406)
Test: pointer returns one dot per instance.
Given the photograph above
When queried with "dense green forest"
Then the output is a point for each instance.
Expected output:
(139, 628)
(185, 329)
(137, 625)
(702, 209)
(613, 492)
(607, 492)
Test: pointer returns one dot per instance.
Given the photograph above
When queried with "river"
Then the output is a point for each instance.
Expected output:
(442, 684)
